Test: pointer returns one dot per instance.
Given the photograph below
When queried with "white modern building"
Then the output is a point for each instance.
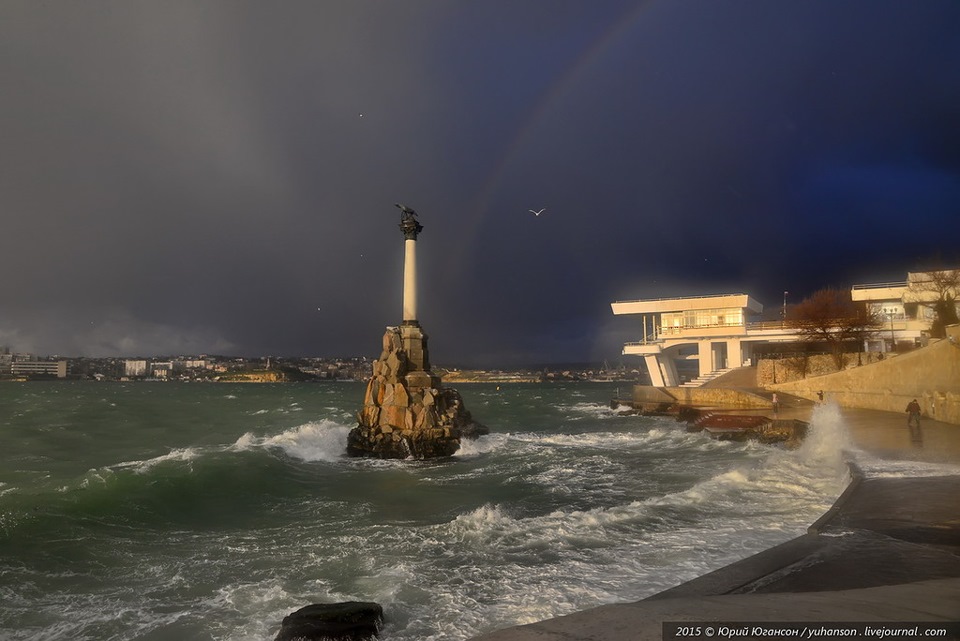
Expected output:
(718, 331)
(135, 368)
(33, 368)
(906, 307)
(721, 332)
(161, 369)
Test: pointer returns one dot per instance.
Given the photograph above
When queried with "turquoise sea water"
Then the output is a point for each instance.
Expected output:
(163, 511)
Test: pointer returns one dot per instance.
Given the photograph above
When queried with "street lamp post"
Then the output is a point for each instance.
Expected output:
(893, 340)
(783, 312)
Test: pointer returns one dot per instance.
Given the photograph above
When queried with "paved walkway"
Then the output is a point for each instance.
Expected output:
(888, 550)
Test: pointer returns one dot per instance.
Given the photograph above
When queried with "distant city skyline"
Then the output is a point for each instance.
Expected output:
(221, 177)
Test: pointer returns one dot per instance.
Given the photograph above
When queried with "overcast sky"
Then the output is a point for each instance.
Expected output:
(220, 176)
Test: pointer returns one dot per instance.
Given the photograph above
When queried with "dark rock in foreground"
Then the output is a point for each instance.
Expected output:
(350, 621)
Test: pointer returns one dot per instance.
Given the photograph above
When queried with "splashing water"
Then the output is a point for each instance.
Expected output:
(216, 522)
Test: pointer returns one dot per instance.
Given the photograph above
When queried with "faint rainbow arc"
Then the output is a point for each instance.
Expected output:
(557, 90)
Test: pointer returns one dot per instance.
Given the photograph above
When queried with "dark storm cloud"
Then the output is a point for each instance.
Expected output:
(190, 177)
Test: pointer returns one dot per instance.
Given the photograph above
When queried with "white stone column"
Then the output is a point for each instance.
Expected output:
(410, 280)
(705, 357)
(653, 368)
(734, 353)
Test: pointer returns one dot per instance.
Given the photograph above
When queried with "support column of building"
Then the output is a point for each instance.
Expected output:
(668, 367)
(734, 353)
(705, 357)
(720, 360)
(653, 367)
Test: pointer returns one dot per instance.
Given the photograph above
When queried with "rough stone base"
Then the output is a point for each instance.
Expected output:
(406, 413)
(372, 441)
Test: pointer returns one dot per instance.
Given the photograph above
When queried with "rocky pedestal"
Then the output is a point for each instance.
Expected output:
(406, 412)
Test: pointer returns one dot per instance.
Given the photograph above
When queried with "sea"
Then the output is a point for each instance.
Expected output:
(205, 511)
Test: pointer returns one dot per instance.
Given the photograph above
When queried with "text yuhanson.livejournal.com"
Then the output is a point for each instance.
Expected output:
(821, 631)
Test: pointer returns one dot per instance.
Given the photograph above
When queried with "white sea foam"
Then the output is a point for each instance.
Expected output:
(483, 445)
(589, 410)
(884, 468)
(185, 455)
(609, 440)
(571, 520)
(322, 440)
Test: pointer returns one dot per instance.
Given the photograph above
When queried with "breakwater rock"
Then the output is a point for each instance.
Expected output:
(349, 621)
(406, 412)
(739, 427)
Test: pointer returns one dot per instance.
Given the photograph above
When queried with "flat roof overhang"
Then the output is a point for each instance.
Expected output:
(639, 349)
(688, 303)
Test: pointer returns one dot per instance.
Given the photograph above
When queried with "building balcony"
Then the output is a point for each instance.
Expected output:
(642, 349)
(879, 291)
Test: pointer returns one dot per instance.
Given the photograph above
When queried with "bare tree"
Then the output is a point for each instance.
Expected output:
(831, 317)
(937, 289)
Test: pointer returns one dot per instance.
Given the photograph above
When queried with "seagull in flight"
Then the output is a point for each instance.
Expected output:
(537, 213)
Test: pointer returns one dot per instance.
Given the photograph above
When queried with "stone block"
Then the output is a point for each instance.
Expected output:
(373, 391)
(421, 380)
(400, 396)
(393, 416)
(410, 418)
(369, 415)
(396, 366)
(429, 419)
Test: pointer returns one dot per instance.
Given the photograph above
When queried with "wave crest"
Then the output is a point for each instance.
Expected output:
(323, 440)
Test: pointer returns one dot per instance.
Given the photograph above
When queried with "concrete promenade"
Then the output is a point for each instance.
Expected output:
(887, 551)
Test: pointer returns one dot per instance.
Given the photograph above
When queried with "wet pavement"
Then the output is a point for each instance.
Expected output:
(887, 551)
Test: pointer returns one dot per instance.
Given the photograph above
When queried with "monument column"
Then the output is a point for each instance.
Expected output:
(406, 412)
(410, 277)
(414, 339)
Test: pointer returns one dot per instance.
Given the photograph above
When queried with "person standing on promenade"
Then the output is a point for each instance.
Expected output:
(913, 413)
(820, 397)
(776, 404)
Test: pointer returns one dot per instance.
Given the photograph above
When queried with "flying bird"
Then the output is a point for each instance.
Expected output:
(537, 213)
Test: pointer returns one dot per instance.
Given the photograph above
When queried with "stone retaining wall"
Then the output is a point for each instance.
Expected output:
(929, 374)
(786, 370)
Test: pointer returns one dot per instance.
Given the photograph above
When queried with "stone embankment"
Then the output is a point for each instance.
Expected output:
(929, 374)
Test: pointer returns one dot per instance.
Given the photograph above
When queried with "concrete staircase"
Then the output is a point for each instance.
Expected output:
(738, 377)
(706, 378)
